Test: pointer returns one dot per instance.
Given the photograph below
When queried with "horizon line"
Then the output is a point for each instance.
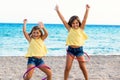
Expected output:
(56, 23)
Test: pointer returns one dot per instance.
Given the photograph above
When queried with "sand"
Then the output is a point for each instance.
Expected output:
(100, 68)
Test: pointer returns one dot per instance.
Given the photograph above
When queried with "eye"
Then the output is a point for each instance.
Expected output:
(73, 23)
(37, 32)
(77, 22)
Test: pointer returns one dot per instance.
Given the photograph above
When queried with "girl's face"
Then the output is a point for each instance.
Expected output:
(75, 24)
(36, 34)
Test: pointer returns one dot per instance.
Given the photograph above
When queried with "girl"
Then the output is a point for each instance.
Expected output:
(75, 40)
(36, 50)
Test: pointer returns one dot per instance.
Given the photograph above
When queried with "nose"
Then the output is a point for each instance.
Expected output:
(35, 34)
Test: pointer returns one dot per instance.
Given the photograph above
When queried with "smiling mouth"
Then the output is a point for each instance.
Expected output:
(35, 37)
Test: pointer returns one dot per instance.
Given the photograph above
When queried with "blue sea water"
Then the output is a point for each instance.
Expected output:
(103, 39)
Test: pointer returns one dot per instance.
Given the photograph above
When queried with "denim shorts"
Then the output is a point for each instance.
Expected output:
(75, 51)
(35, 61)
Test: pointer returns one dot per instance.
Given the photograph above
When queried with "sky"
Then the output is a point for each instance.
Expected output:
(101, 11)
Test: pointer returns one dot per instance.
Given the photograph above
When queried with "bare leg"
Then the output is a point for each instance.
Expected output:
(69, 61)
(82, 66)
(47, 71)
(29, 74)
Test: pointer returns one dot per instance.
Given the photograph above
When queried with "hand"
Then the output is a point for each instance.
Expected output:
(25, 21)
(41, 25)
(56, 7)
(87, 6)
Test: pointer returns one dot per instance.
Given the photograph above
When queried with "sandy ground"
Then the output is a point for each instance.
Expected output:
(100, 68)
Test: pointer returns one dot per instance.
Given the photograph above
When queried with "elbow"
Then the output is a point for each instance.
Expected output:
(24, 31)
(46, 34)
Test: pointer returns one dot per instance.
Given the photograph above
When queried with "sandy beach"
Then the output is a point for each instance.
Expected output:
(100, 68)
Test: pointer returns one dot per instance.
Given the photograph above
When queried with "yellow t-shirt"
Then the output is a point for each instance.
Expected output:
(76, 37)
(36, 48)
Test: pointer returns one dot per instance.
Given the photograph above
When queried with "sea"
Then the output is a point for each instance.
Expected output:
(103, 39)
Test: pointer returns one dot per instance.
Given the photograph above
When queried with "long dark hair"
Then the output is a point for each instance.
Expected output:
(35, 28)
(72, 19)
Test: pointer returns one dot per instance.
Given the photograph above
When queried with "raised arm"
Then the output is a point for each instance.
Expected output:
(85, 17)
(62, 18)
(24, 30)
(41, 25)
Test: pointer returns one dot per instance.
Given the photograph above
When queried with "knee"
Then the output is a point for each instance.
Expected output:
(82, 66)
(67, 69)
(28, 77)
(49, 74)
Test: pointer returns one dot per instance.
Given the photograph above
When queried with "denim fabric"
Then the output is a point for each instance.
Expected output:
(35, 61)
(75, 51)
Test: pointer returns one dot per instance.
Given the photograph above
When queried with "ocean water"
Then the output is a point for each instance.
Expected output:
(103, 39)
